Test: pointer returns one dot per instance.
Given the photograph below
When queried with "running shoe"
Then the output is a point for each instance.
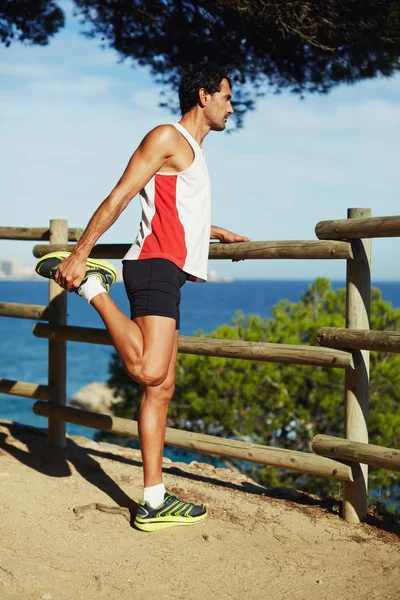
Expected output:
(105, 271)
(170, 513)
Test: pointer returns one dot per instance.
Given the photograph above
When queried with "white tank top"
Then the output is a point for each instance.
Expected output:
(176, 216)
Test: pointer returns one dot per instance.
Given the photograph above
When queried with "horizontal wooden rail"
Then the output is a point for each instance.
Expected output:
(35, 233)
(98, 251)
(23, 388)
(286, 249)
(359, 339)
(311, 249)
(355, 229)
(369, 454)
(289, 459)
(25, 311)
(278, 353)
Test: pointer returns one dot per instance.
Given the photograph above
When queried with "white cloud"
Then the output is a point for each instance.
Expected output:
(26, 71)
(81, 86)
(281, 113)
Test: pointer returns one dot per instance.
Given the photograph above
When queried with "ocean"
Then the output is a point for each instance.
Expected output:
(204, 307)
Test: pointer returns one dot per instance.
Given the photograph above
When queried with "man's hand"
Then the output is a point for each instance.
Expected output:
(70, 273)
(227, 237)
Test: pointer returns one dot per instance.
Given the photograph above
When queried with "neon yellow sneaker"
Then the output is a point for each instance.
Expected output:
(105, 271)
(170, 513)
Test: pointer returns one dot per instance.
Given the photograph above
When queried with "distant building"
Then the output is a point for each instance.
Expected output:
(213, 276)
(13, 269)
(10, 267)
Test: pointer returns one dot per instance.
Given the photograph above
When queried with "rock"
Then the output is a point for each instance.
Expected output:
(96, 397)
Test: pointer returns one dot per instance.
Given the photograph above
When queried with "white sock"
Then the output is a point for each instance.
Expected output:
(91, 288)
(154, 495)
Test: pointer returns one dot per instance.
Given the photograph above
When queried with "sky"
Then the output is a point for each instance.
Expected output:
(72, 115)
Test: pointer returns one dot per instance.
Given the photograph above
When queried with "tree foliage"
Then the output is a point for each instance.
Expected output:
(280, 405)
(300, 45)
(29, 21)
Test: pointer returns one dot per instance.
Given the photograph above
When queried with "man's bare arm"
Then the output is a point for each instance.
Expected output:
(151, 155)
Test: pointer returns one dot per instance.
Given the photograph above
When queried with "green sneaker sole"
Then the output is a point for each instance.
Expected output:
(159, 523)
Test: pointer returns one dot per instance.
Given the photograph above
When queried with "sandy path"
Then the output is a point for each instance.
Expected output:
(252, 546)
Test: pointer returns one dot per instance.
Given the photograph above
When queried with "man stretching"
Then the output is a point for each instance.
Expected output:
(169, 170)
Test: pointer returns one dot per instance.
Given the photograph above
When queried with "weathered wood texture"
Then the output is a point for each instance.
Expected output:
(357, 228)
(370, 454)
(98, 251)
(279, 353)
(288, 459)
(25, 389)
(286, 249)
(359, 339)
(25, 311)
(36, 233)
(57, 372)
(311, 249)
(358, 294)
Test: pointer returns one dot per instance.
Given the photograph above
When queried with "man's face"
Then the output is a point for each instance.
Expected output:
(219, 107)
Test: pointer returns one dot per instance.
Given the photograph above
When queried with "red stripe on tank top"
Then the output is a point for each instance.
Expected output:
(167, 237)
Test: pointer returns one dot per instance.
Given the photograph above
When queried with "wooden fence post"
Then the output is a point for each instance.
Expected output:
(57, 349)
(358, 295)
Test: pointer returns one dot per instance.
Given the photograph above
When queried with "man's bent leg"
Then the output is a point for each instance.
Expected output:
(145, 358)
(144, 345)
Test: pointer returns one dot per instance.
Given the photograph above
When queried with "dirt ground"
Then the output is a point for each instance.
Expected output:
(65, 533)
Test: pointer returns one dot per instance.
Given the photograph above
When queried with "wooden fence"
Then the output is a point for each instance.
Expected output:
(347, 349)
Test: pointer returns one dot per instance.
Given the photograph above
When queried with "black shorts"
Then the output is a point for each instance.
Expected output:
(153, 287)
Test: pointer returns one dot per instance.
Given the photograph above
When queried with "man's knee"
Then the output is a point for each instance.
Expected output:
(162, 394)
(167, 389)
(146, 374)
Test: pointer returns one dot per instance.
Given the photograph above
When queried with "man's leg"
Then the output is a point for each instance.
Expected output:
(145, 353)
(158, 509)
(145, 345)
(153, 419)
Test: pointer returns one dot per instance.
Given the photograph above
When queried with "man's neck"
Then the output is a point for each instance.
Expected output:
(194, 123)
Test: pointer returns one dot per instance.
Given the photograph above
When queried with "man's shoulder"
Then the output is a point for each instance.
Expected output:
(164, 138)
(164, 133)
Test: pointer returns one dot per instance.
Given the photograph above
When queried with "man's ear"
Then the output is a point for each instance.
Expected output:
(203, 97)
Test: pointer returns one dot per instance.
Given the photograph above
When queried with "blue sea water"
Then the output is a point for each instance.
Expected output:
(204, 307)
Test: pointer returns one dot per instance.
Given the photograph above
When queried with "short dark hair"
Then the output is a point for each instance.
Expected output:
(207, 76)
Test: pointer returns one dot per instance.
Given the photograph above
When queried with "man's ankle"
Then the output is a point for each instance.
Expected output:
(154, 494)
(91, 288)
